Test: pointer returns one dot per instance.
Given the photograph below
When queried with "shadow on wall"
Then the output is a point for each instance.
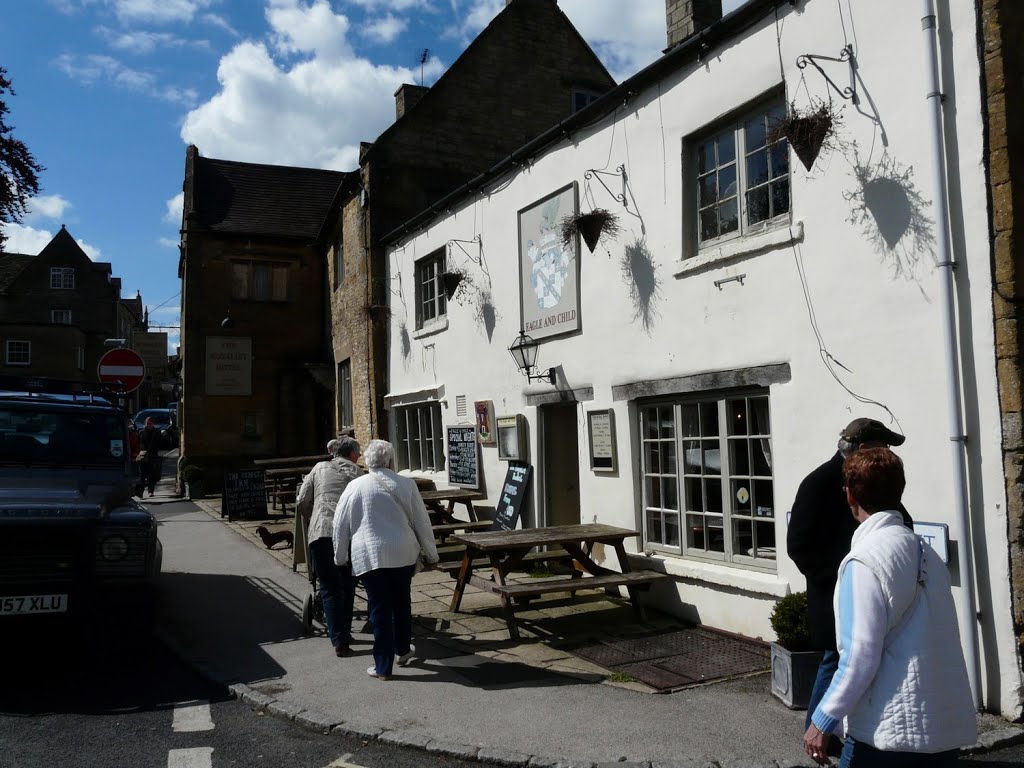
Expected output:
(485, 313)
(892, 215)
(641, 276)
(406, 342)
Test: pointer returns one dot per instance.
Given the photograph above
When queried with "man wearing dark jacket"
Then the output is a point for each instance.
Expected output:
(821, 527)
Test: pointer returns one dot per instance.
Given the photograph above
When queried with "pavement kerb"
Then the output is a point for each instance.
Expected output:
(319, 722)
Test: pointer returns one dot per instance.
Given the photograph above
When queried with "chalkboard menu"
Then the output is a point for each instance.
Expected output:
(245, 494)
(513, 496)
(463, 457)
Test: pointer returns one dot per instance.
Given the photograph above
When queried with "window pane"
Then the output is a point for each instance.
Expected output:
(654, 527)
(743, 537)
(726, 147)
(741, 497)
(764, 539)
(652, 458)
(712, 458)
(650, 420)
(757, 205)
(280, 284)
(705, 157)
(668, 424)
(729, 217)
(780, 196)
(240, 281)
(713, 495)
(739, 460)
(691, 452)
(653, 492)
(759, 420)
(715, 534)
(727, 182)
(707, 187)
(754, 133)
(669, 493)
(671, 530)
(757, 168)
(668, 457)
(260, 282)
(737, 411)
(709, 223)
(709, 419)
(780, 159)
(691, 421)
(695, 532)
(764, 498)
(694, 496)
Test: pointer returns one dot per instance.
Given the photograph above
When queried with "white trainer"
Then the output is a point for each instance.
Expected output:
(405, 658)
(372, 672)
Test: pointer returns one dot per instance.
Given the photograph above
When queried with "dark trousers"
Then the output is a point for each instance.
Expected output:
(337, 591)
(389, 593)
(149, 474)
(857, 754)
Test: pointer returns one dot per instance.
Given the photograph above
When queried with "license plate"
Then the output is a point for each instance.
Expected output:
(10, 606)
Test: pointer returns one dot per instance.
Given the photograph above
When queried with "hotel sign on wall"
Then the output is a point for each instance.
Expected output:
(549, 271)
(229, 365)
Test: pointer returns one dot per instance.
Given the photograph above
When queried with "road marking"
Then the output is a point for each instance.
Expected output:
(342, 762)
(197, 757)
(192, 716)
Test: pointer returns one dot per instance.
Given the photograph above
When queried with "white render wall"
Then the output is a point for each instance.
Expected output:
(884, 328)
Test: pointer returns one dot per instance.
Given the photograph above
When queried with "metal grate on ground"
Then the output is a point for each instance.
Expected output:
(679, 659)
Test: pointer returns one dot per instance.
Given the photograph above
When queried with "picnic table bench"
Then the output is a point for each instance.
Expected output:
(283, 484)
(435, 500)
(443, 530)
(505, 550)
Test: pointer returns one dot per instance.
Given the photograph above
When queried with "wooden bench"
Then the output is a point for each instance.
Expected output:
(641, 579)
(443, 530)
(549, 556)
(283, 484)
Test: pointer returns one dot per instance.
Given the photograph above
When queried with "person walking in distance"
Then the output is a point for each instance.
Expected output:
(316, 502)
(901, 687)
(819, 535)
(148, 458)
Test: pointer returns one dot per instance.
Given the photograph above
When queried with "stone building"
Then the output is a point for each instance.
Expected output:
(527, 70)
(56, 310)
(255, 343)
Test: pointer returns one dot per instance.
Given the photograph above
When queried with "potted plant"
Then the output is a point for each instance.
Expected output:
(794, 664)
(192, 475)
(807, 131)
(590, 226)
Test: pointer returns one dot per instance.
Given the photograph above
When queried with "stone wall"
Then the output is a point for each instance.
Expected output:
(1002, 25)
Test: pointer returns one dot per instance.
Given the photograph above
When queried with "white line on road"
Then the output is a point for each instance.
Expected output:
(197, 757)
(342, 762)
(192, 716)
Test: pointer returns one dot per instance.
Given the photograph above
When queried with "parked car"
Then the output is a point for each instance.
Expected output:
(165, 420)
(73, 541)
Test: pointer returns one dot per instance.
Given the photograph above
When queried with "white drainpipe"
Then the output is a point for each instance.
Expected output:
(944, 256)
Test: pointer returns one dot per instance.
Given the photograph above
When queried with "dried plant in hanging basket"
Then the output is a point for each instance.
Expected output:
(807, 131)
(377, 313)
(451, 282)
(591, 226)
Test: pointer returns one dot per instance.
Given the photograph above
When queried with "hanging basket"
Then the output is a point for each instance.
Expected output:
(451, 282)
(590, 227)
(806, 132)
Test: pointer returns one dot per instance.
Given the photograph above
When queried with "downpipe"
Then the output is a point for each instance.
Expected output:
(946, 265)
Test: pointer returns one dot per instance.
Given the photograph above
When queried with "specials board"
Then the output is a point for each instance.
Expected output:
(513, 496)
(245, 494)
(463, 456)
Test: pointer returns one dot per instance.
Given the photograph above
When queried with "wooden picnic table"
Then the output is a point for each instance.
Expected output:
(504, 550)
(283, 484)
(290, 461)
(436, 498)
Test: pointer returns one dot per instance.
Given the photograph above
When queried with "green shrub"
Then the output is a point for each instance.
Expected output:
(192, 473)
(789, 620)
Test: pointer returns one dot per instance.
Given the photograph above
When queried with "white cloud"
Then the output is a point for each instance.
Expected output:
(174, 207)
(157, 11)
(218, 21)
(168, 242)
(385, 29)
(143, 42)
(29, 240)
(47, 207)
(312, 110)
(395, 5)
(91, 251)
(97, 68)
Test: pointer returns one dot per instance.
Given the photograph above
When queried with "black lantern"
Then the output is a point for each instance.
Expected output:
(524, 352)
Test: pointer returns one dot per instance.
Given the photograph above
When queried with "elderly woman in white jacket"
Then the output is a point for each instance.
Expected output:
(382, 519)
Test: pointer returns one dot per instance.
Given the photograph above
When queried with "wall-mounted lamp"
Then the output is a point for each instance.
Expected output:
(524, 352)
(227, 322)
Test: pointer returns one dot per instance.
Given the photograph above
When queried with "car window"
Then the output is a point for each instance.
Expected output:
(35, 434)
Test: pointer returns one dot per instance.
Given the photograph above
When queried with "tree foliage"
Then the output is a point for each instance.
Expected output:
(19, 171)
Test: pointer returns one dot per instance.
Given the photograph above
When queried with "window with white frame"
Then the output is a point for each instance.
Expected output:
(62, 278)
(431, 304)
(259, 281)
(418, 438)
(18, 352)
(60, 316)
(707, 478)
(741, 179)
(345, 393)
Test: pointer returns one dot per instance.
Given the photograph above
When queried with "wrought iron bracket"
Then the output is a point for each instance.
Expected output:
(846, 56)
(620, 172)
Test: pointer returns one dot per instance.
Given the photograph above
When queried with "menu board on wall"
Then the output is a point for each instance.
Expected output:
(245, 494)
(513, 496)
(463, 457)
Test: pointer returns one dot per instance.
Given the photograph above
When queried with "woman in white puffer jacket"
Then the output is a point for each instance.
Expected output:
(381, 516)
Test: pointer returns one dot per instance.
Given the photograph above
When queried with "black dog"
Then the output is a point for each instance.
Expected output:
(276, 537)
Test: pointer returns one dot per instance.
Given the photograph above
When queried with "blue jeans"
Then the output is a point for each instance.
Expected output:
(389, 593)
(826, 671)
(857, 754)
(337, 591)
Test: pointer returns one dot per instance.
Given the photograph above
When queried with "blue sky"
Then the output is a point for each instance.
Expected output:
(110, 92)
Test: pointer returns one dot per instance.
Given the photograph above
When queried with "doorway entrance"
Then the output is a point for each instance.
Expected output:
(561, 463)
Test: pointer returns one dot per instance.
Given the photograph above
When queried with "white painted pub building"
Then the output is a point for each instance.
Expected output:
(707, 356)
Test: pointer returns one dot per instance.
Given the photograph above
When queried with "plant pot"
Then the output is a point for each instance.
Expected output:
(807, 135)
(590, 228)
(194, 490)
(451, 281)
(793, 675)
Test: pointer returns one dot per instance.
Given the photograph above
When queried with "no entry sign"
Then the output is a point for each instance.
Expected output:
(123, 367)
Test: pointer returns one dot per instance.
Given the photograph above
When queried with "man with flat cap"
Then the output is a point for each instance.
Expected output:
(821, 528)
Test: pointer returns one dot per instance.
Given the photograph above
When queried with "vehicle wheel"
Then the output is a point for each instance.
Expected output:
(307, 613)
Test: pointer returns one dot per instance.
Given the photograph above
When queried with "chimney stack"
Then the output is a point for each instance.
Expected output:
(685, 18)
(406, 97)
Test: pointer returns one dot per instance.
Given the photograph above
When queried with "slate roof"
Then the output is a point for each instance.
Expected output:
(11, 265)
(253, 199)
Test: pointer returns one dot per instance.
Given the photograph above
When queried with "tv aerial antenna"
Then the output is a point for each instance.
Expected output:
(423, 60)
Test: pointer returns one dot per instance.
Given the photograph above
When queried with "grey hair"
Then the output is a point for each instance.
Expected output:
(846, 447)
(346, 446)
(379, 454)
(331, 444)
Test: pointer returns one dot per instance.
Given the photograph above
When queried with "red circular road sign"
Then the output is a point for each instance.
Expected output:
(122, 366)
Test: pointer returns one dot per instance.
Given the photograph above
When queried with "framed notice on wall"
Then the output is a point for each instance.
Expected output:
(485, 428)
(601, 429)
(463, 456)
(549, 270)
